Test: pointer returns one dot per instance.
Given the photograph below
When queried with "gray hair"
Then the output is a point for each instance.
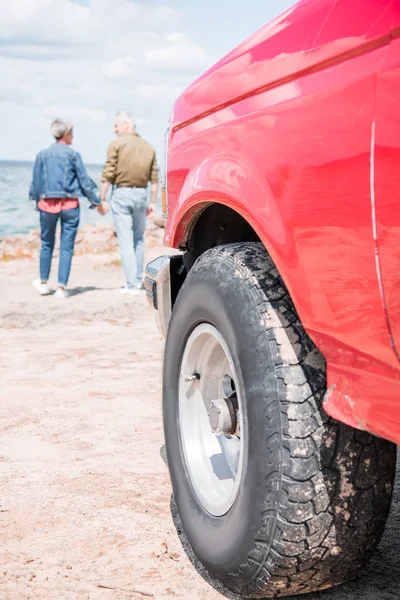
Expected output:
(59, 127)
(126, 117)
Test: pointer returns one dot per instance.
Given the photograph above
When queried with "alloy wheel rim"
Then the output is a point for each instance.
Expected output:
(208, 378)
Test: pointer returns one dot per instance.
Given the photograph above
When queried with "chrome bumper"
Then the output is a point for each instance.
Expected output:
(163, 278)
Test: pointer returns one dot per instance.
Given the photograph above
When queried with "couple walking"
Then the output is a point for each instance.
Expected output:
(60, 178)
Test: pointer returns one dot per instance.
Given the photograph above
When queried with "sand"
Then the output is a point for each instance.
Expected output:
(86, 510)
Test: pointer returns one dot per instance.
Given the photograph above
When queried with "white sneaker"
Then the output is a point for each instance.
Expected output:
(42, 288)
(61, 293)
(130, 291)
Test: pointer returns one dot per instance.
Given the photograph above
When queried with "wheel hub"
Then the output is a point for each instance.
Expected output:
(222, 417)
(210, 422)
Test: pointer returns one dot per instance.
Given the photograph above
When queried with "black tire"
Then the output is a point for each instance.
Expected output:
(315, 494)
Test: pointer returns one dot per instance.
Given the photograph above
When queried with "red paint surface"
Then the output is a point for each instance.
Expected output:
(282, 131)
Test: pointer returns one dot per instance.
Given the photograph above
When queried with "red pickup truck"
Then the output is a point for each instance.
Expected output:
(282, 312)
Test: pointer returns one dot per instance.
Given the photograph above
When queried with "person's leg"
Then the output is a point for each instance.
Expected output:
(48, 224)
(69, 228)
(139, 225)
(121, 206)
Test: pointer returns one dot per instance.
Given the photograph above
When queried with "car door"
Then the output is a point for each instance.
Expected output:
(386, 172)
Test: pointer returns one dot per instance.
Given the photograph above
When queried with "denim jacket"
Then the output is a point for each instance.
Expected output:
(59, 172)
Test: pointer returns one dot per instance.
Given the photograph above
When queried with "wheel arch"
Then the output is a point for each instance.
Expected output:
(214, 225)
(214, 222)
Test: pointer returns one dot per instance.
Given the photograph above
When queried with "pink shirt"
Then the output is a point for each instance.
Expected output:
(56, 205)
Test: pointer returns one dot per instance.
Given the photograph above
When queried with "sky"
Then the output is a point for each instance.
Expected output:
(83, 60)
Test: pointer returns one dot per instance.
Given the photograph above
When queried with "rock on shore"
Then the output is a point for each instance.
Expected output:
(91, 239)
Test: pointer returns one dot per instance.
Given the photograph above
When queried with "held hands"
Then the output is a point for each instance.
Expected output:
(150, 211)
(103, 208)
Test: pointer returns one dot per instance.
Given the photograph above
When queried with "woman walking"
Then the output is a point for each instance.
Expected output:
(59, 179)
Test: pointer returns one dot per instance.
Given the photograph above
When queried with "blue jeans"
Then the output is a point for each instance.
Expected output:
(69, 227)
(129, 207)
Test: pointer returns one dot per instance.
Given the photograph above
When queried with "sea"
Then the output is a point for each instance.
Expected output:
(18, 214)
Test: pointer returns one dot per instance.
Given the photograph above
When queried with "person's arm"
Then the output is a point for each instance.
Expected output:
(110, 169)
(109, 172)
(88, 186)
(154, 188)
(34, 187)
(104, 187)
(153, 199)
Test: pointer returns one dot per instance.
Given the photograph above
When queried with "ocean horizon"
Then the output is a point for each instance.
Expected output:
(7, 161)
(18, 214)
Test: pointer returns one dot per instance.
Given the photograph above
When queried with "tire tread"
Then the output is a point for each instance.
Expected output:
(327, 497)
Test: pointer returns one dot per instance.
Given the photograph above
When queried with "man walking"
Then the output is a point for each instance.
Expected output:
(131, 165)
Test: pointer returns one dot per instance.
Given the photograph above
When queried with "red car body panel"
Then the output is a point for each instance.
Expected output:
(298, 130)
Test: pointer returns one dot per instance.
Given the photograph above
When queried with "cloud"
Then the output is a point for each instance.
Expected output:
(119, 67)
(164, 93)
(96, 116)
(176, 51)
(42, 22)
(31, 52)
(86, 61)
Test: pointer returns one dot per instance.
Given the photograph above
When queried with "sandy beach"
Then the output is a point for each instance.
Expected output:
(86, 510)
